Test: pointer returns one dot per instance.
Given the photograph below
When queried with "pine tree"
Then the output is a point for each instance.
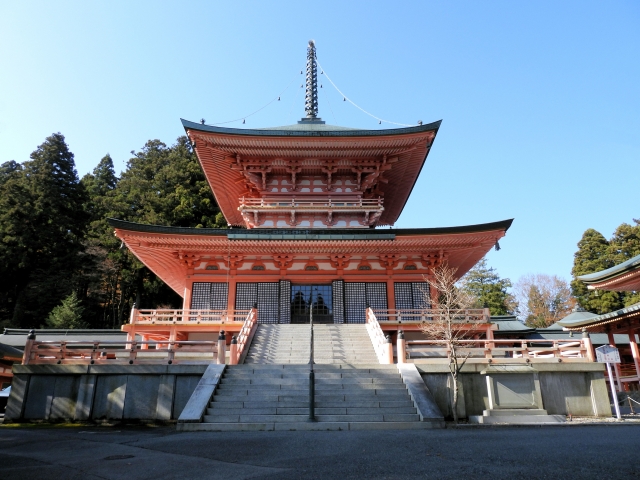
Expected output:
(68, 314)
(488, 290)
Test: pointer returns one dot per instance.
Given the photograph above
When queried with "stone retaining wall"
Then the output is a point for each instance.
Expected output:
(566, 388)
(100, 393)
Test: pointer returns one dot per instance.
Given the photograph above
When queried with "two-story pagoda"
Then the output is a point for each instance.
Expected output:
(303, 202)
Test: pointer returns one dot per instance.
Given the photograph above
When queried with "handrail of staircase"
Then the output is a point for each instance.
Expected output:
(377, 336)
(246, 334)
(312, 375)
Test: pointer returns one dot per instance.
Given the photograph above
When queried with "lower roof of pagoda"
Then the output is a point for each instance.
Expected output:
(389, 161)
(175, 253)
(622, 277)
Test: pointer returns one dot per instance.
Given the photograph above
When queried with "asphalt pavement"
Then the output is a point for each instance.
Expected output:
(580, 451)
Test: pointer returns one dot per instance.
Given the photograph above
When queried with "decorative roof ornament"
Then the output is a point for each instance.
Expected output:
(311, 97)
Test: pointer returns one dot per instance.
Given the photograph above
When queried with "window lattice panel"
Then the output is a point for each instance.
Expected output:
(285, 301)
(266, 295)
(246, 295)
(268, 302)
(209, 296)
(338, 301)
(412, 295)
(355, 301)
(377, 295)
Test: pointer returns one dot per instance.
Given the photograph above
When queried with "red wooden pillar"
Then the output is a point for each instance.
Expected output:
(186, 298)
(231, 299)
(391, 294)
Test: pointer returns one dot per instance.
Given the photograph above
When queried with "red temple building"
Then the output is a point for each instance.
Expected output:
(303, 203)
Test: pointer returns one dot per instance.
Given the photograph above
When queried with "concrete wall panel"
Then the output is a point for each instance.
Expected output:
(185, 386)
(15, 404)
(438, 385)
(565, 393)
(141, 399)
(108, 403)
(476, 398)
(86, 392)
(65, 395)
(39, 397)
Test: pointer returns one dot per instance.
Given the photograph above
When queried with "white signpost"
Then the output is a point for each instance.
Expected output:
(608, 354)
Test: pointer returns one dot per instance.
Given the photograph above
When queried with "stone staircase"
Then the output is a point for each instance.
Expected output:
(333, 344)
(347, 397)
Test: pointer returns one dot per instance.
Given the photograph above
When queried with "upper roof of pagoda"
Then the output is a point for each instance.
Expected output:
(346, 162)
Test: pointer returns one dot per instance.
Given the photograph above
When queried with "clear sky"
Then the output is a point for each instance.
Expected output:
(539, 100)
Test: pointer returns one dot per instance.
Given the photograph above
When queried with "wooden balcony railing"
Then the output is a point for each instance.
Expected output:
(470, 315)
(501, 351)
(119, 353)
(168, 316)
(334, 205)
(628, 370)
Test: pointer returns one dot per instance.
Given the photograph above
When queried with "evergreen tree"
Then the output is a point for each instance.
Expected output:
(42, 224)
(624, 245)
(68, 314)
(488, 290)
(163, 186)
(593, 255)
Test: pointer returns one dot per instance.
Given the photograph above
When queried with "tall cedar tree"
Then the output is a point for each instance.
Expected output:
(594, 254)
(161, 186)
(487, 289)
(42, 224)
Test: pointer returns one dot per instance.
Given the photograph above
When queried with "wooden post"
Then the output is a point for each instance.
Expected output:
(401, 348)
(233, 351)
(26, 357)
(222, 348)
(388, 351)
(391, 295)
(634, 350)
(588, 344)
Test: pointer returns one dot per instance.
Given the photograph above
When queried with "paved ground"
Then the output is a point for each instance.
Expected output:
(581, 451)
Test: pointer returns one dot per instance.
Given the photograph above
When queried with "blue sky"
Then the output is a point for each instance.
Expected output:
(539, 100)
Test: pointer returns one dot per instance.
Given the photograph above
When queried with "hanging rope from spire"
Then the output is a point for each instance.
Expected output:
(353, 103)
(276, 98)
(311, 97)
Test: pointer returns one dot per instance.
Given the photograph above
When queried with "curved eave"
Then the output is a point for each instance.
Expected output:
(434, 126)
(310, 232)
(600, 320)
(619, 275)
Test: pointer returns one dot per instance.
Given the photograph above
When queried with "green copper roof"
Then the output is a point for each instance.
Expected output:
(588, 318)
(309, 233)
(631, 264)
(310, 130)
(511, 324)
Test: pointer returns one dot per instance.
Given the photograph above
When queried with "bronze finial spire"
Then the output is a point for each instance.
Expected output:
(311, 97)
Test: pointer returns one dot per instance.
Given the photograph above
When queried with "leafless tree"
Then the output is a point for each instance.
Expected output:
(543, 299)
(447, 323)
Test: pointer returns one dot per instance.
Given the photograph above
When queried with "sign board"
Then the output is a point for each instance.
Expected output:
(607, 354)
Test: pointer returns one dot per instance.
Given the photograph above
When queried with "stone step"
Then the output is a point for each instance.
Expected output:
(319, 404)
(212, 410)
(306, 425)
(380, 396)
(518, 419)
(258, 418)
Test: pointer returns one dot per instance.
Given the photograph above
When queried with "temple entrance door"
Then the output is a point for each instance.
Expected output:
(305, 298)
